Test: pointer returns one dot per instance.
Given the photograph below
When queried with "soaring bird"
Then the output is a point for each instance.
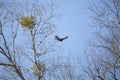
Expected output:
(60, 39)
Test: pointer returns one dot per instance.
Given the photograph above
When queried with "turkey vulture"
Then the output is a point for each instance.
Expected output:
(60, 39)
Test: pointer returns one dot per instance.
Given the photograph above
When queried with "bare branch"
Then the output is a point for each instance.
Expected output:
(3, 64)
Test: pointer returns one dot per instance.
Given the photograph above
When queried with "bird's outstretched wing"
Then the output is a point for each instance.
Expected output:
(65, 37)
(61, 39)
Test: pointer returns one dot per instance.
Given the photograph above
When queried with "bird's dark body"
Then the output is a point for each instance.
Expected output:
(61, 39)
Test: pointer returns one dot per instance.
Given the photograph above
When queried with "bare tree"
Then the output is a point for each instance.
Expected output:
(105, 48)
(25, 37)
(62, 68)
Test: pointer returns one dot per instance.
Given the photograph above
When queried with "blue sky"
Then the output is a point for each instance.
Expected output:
(76, 23)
